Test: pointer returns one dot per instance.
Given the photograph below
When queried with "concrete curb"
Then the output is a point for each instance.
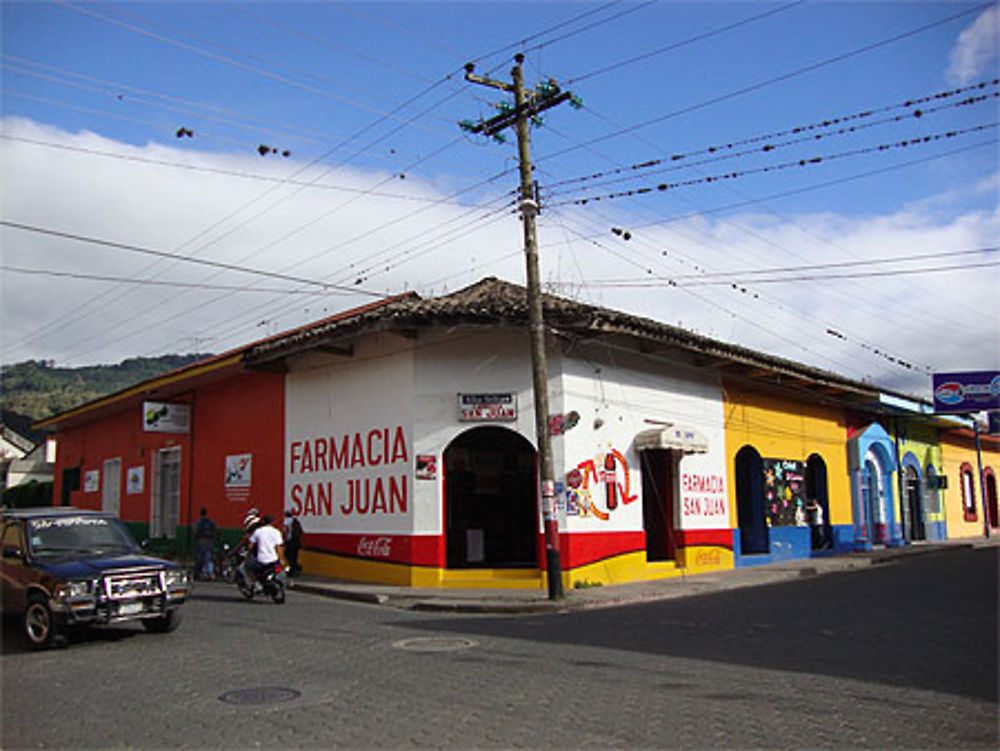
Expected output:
(488, 602)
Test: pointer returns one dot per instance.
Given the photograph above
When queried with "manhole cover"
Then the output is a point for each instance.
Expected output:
(435, 644)
(261, 695)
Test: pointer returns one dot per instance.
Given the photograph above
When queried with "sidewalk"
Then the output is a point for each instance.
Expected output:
(523, 601)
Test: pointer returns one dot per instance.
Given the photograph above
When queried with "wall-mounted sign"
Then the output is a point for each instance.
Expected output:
(487, 407)
(559, 424)
(966, 392)
(135, 480)
(239, 476)
(426, 466)
(159, 417)
(91, 481)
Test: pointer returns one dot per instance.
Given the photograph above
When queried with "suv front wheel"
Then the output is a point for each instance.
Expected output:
(40, 629)
(165, 623)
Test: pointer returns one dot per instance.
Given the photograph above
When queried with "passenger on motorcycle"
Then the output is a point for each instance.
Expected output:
(267, 547)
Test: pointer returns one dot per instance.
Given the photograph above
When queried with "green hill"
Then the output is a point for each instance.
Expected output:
(37, 389)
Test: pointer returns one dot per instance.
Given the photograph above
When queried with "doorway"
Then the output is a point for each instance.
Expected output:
(165, 512)
(914, 505)
(816, 488)
(111, 489)
(754, 536)
(658, 474)
(491, 500)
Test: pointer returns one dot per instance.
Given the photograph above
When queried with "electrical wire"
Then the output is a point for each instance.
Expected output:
(801, 133)
(777, 79)
(805, 162)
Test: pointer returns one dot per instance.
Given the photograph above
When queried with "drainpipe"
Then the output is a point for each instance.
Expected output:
(982, 481)
(900, 481)
(190, 523)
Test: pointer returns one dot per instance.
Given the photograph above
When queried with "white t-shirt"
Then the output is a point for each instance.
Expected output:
(267, 539)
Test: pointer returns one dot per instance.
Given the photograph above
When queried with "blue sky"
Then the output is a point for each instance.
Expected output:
(372, 186)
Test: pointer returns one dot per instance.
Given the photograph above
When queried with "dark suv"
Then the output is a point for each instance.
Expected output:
(63, 567)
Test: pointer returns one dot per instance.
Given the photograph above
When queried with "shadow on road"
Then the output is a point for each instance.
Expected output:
(928, 623)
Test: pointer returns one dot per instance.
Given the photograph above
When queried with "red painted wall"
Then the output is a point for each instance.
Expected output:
(244, 414)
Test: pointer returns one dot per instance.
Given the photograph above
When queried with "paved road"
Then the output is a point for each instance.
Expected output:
(895, 656)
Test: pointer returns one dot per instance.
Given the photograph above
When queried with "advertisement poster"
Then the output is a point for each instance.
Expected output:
(239, 476)
(158, 417)
(91, 481)
(135, 480)
(958, 393)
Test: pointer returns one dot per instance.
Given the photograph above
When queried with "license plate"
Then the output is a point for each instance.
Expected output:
(130, 608)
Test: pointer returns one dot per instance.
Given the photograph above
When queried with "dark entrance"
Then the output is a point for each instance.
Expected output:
(754, 537)
(991, 497)
(70, 483)
(490, 500)
(816, 487)
(658, 504)
(914, 505)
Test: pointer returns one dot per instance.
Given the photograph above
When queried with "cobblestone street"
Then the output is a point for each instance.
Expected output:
(897, 656)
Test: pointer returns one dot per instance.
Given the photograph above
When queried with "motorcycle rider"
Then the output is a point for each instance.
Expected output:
(251, 522)
(267, 547)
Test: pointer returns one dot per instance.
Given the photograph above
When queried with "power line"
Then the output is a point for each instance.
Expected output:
(812, 267)
(153, 282)
(218, 170)
(778, 79)
(181, 258)
(801, 133)
(684, 43)
(805, 162)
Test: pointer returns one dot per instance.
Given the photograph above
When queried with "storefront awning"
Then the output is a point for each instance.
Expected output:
(676, 437)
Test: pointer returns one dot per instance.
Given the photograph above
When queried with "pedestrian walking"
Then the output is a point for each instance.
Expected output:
(293, 542)
(205, 533)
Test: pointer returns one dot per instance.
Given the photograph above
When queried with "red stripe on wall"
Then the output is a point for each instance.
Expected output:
(412, 550)
(720, 538)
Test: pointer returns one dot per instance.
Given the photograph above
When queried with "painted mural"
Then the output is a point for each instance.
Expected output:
(596, 486)
(784, 492)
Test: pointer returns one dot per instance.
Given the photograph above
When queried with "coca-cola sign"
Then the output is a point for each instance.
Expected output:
(375, 547)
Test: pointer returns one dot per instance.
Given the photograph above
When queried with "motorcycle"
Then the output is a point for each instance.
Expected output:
(271, 582)
(225, 565)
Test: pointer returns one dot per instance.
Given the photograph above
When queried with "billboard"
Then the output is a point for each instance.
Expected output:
(958, 393)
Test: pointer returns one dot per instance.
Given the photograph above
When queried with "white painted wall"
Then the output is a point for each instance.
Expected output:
(411, 387)
(363, 399)
(464, 362)
(615, 393)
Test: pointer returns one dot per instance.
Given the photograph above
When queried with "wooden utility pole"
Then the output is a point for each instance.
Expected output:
(526, 106)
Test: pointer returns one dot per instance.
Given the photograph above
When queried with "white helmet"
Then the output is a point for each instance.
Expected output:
(251, 520)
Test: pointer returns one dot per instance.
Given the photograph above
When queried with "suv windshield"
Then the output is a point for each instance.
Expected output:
(79, 534)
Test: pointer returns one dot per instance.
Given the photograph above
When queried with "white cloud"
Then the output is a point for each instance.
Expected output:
(975, 53)
(400, 235)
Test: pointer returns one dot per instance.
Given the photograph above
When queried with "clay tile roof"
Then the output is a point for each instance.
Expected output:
(492, 301)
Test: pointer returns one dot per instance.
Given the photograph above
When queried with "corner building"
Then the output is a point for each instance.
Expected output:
(402, 434)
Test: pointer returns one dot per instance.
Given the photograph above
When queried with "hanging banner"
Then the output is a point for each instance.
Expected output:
(957, 393)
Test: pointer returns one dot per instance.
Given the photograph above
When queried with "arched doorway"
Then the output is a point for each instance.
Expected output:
(816, 487)
(872, 498)
(754, 537)
(991, 495)
(491, 500)
(912, 488)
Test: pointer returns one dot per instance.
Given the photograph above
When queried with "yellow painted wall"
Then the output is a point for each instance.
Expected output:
(955, 450)
(787, 429)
